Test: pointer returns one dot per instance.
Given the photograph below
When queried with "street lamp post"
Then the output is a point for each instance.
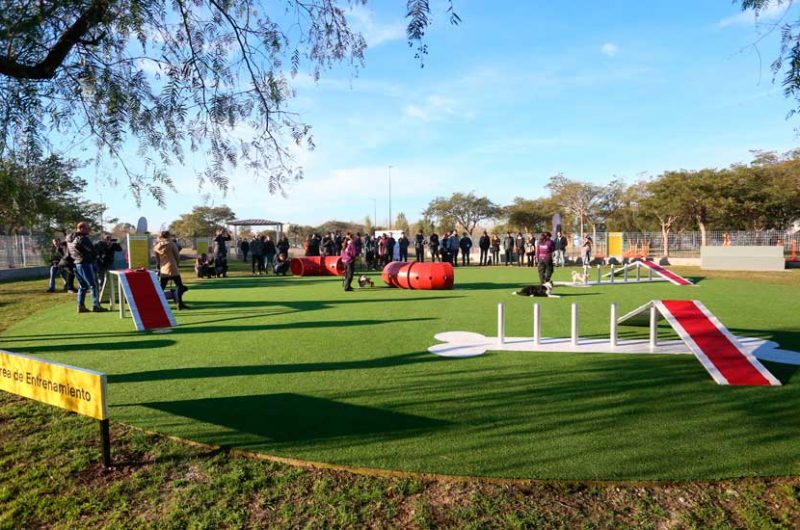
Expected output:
(390, 197)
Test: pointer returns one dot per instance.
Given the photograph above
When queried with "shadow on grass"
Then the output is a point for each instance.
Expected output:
(292, 418)
(93, 346)
(273, 369)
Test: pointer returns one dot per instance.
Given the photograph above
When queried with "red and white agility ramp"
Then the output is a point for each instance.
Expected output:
(148, 304)
(729, 360)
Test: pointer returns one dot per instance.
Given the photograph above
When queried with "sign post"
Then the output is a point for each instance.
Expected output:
(138, 252)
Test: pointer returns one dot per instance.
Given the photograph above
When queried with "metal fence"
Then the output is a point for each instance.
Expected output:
(22, 251)
(33, 251)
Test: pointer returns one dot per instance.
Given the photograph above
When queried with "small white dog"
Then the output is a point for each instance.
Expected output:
(579, 278)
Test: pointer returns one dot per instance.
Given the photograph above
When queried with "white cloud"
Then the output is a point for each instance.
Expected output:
(610, 49)
(375, 33)
(436, 107)
(773, 11)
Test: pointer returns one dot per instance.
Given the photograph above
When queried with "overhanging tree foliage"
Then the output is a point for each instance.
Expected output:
(170, 75)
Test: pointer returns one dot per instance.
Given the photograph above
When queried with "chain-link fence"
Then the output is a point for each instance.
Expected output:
(22, 251)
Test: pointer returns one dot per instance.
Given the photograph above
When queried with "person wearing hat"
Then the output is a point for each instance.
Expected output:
(168, 256)
(544, 256)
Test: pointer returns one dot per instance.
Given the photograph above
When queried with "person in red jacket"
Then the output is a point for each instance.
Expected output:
(544, 256)
(351, 251)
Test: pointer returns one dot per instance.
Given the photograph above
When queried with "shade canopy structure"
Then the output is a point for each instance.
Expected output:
(236, 223)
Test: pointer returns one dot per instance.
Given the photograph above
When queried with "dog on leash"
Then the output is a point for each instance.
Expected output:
(579, 278)
(364, 281)
(544, 291)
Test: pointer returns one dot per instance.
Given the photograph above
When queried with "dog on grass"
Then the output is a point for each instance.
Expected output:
(364, 281)
(579, 278)
(545, 291)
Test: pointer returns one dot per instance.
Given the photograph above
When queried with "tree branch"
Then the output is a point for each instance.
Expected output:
(46, 68)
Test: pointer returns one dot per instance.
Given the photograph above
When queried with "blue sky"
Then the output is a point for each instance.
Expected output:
(518, 92)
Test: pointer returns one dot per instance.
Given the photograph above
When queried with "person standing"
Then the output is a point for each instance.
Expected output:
(544, 256)
(419, 246)
(433, 245)
(283, 245)
(390, 243)
(269, 252)
(495, 247)
(586, 249)
(56, 255)
(466, 247)
(169, 257)
(349, 255)
(221, 252)
(82, 252)
(519, 245)
(530, 249)
(244, 247)
(561, 249)
(484, 243)
(369, 251)
(105, 250)
(402, 243)
(257, 255)
(508, 247)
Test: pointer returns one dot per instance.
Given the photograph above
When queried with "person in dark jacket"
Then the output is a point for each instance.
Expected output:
(67, 266)
(419, 246)
(390, 243)
(561, 248)
(56, 255)
(508, 247)
(402, 243)
(483, 245)
(433, 244)
(282, 246)
(257, 252)
(82, 252)
(105, 250)
(269, 252)
(465, 243)
(221, 253)
(244, 247)
(282, 264)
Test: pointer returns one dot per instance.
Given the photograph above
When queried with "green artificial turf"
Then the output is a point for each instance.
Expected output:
(295, 367)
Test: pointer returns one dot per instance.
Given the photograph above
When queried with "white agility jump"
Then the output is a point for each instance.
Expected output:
(730, 360)
(654, 273)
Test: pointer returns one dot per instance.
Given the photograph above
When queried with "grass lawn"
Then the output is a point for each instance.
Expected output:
(295, 367)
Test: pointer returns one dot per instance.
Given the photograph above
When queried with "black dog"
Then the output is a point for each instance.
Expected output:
(545, 290)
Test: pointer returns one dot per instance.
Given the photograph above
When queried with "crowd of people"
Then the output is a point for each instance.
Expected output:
(78, 258)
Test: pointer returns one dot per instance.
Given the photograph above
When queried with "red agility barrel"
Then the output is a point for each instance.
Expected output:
(334, 266)
(418, 275)
(389, 274)
(308, 266)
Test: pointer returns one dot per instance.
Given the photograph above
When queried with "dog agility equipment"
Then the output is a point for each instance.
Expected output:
(147, 302)
(317, 266)
(419, 275)
(729, 360)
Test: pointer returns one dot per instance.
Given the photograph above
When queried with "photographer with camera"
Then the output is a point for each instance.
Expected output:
(221, 252)
(105, 250)
(83, 253)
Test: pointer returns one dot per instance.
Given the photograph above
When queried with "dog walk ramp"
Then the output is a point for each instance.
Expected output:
(666, 274)
(713, 345)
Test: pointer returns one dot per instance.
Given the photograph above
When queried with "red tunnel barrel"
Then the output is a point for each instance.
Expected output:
(419, 275)
(334, 266)
(308, 266)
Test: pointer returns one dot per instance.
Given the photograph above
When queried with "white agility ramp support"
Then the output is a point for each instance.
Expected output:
(729, 360)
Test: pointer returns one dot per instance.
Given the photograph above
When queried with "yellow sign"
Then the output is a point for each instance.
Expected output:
(615, 244)
(76, 389)
(138, 252)
(203, 246)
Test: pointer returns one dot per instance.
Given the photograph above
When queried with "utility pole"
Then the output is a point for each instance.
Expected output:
(390, 197)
